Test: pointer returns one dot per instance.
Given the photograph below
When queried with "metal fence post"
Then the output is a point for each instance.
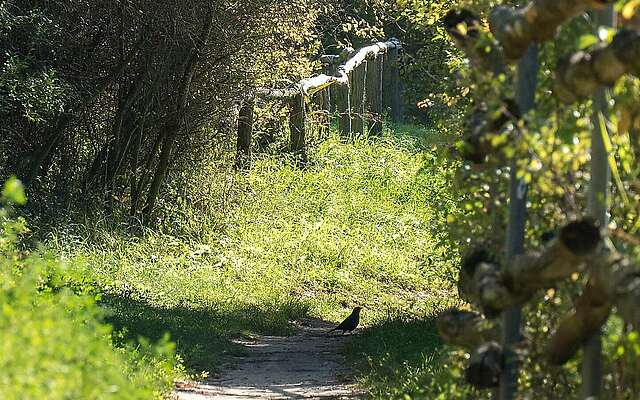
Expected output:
(598, 194)
(526, 87)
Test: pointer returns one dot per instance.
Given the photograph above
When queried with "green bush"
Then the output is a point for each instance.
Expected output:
(54, 344)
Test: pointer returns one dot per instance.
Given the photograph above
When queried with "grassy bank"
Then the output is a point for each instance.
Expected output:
(364, 224)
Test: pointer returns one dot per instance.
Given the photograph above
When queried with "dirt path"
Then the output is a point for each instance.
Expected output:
(308, 365)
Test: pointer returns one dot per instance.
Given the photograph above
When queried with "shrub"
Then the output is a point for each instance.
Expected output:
(54, 344)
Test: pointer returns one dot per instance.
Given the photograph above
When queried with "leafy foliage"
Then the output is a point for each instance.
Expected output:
(106, 99)
(553, 154)
(54, 343)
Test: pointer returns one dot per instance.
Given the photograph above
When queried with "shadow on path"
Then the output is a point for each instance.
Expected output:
(203, 334)
(307, 365)
(399, 357)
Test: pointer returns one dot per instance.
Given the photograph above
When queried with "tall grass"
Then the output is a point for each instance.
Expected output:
(363, 224)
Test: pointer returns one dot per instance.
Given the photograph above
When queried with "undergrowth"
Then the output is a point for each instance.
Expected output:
(53, 341)
(108, 309)
(363, 224)
(404, 358)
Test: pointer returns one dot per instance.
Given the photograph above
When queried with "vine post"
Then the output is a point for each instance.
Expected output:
(597, 206)
(525, 92)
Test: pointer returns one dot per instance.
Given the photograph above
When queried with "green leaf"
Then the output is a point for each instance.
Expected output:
(13, 192)
(604, 131)
(629, 10)
(587, 40)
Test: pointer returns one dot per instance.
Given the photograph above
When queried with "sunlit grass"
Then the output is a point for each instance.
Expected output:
(363, 224)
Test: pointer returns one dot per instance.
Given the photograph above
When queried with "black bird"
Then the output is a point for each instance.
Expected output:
(350, 323)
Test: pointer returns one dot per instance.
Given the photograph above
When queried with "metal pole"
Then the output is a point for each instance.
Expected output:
(598, 194)
(526, 88)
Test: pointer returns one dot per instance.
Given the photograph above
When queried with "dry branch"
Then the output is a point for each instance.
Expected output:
(281, 94)
(580, 75)
(537, 22)
(466, 329)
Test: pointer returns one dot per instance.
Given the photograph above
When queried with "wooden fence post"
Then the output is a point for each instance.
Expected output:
(357, 83)
(297, 128)
(245, 131)
(343, 108)
(326, 100)
(328, 93)
(374, 94)
(526, 88)
(391, 92)
(598, 195)
(320, 111)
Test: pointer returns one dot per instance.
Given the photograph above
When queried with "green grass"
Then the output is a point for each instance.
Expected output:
(404, 358)
(363, 224)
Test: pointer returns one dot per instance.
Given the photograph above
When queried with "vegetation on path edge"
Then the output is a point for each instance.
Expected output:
(362, 225)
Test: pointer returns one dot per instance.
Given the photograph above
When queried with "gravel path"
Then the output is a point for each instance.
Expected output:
(308, 365)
